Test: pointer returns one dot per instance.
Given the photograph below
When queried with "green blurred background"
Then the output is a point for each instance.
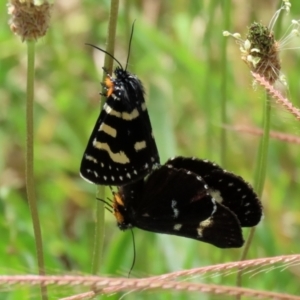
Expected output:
(177, 51)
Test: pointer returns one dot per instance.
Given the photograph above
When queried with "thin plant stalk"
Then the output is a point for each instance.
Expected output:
(224, 83)
(30, 163)
(260, 173)
(100, 192)
(212, 7)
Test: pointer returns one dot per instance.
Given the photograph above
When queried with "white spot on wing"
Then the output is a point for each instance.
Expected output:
(216, 195)
(111, 111)
(175, 210)
(130, 116)
(177, 227)
(139, 145)
(91, 158)
(202, 226)
(119, 157)
(215, 206)
(144, 107)
(108, 130)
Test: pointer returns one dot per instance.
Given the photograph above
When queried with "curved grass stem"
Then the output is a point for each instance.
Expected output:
(100, 193)
(30, 163)
(260, 173)
(224, 84)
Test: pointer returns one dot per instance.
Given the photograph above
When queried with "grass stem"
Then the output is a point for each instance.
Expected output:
(100, 193)
(224, 84)
(260, 173)
(30, 184)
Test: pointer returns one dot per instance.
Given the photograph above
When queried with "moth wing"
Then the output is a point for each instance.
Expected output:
(227, 188)
(121, 148)
(178, 202)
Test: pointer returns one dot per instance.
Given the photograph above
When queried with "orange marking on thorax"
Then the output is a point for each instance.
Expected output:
(109, 85)
(116, 204)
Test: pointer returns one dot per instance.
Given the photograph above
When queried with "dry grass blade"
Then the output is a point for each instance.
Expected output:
(105, 285)
(137, 284)
(277, 95)
(221, 268)
(289, 138)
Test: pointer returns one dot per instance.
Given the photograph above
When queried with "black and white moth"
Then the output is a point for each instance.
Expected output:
(121, 148)
(178, 199)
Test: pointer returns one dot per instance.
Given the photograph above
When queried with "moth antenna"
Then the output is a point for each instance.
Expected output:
(134, 253)
(129, 47)
(110, 55)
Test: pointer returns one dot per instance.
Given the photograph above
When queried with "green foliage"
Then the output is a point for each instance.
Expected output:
(176, 52)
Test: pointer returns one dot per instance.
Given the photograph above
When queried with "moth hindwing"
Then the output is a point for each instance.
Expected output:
(177, 202)
(227, 188)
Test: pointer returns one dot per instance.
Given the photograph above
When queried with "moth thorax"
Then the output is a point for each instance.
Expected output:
(119, 211)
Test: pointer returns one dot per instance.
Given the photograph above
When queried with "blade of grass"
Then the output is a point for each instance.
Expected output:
(213, 5)
(30, 163)
(100, 192)
(260, 173)
(224, 83)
